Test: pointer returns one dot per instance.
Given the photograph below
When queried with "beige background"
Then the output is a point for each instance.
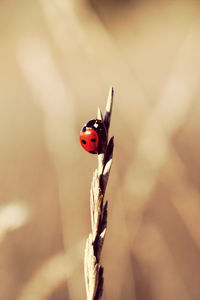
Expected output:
(57, 61)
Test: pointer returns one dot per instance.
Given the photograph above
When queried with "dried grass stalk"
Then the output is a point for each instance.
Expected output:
(98, 208)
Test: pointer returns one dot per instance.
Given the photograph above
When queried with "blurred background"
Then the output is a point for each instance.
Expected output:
(58, 60)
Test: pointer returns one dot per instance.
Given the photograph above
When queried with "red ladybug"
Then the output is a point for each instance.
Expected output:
(93, 136)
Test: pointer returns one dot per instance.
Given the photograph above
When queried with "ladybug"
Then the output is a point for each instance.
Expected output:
(93, 136)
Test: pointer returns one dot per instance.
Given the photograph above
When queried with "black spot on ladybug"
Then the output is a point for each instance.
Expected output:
(93, 140)
(83, 141)
(92, 152)
(84, 129)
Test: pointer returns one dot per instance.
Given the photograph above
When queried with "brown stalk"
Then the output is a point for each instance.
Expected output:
(98, 209)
